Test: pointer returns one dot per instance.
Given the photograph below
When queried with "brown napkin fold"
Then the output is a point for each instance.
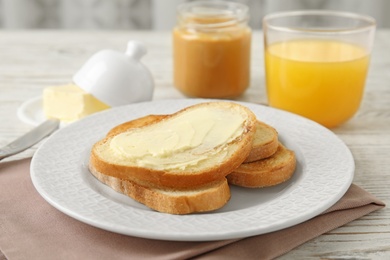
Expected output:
(32, 229)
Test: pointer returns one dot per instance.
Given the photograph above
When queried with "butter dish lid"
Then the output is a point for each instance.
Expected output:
(117, 78)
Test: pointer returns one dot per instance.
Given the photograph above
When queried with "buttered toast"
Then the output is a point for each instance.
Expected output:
(249, 155)
(197, 145)
(278, 164)
(203, 198)
(265, 141)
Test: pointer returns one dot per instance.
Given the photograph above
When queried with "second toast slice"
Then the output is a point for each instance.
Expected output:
(208, 197)
(267, 172)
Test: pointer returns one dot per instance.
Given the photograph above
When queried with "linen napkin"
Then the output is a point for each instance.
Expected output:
(32, 229)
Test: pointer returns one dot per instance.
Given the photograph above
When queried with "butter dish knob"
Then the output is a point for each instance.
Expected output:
(135, 49)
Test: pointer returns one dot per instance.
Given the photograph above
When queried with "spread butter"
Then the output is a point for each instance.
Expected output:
(181, 141)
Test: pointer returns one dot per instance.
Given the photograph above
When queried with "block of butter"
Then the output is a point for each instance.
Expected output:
(69, 103)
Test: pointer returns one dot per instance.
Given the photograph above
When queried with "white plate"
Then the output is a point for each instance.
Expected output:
(325, 168)
(31, 111)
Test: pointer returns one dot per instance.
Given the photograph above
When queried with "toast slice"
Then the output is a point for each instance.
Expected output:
(265, 141)
(266, 172)
(220, 134)
(204, 198)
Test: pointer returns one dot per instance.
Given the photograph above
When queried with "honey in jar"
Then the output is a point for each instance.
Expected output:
(211, 49)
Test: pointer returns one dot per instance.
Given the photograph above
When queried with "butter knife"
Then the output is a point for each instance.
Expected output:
(30, 138)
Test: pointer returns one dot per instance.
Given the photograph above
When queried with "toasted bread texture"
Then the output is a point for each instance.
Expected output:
(213, 166)
(265, 142)
(204, 198)
(266, 172)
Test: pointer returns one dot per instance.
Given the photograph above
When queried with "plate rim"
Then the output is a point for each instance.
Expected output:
(179, 236)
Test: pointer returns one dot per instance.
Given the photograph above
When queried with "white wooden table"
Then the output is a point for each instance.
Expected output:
(32, 60)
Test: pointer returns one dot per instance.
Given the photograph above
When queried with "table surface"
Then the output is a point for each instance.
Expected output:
(33, 60)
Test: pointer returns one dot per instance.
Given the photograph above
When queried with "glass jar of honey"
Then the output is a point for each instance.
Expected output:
(211, 49)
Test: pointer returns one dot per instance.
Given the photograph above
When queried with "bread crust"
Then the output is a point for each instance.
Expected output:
(205, 198)
(267, 172)
(179, 179)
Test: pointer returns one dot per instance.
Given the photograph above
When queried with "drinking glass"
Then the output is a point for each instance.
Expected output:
(316, 62)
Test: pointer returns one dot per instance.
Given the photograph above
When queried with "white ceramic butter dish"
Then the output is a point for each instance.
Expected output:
(117, 78)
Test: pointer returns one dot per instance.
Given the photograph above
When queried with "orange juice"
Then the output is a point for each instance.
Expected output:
(320, 79)
(212, 64)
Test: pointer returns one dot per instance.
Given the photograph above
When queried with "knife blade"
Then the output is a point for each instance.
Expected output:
(30, 138)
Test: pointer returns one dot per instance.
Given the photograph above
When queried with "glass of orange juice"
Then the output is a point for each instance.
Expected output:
(316, 62)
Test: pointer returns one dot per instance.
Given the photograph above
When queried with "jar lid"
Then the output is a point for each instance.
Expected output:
(212, 14)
